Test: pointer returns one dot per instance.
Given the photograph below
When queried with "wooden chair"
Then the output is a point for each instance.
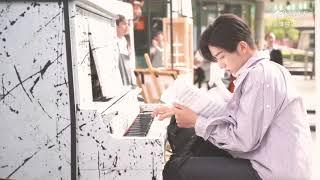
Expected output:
(153, 81)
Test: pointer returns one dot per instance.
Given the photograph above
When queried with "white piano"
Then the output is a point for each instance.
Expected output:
(116, 138)
(115, 135)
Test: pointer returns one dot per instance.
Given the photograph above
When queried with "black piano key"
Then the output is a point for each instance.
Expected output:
(141, 125)
(135, 134)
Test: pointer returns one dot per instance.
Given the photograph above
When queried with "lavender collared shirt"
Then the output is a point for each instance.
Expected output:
(264, 122)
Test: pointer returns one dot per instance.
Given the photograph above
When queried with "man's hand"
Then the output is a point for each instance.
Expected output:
(163, 112)
(185, 117)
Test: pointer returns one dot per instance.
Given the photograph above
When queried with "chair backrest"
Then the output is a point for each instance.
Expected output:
(153, 81)
(148, 82)
(148, 61)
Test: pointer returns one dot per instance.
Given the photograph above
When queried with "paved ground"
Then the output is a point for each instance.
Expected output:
(308, 91)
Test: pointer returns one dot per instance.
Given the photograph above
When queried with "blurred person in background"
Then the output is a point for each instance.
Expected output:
(124, 50)
(201, 70)
(156, 49)
(275, 53)
(137, 9)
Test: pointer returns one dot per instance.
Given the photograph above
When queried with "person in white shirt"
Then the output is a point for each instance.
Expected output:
(262, 128)
(124, 51)
(275, 53)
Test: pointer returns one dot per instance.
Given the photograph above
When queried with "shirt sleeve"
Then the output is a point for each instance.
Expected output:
(246, 119)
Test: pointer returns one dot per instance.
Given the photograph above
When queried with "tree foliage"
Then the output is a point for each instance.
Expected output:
(282, 27)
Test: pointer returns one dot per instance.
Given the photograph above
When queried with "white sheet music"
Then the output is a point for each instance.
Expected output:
(201, 102)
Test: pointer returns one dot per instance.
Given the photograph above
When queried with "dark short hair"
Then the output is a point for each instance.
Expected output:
(225, 32)
(120, 19)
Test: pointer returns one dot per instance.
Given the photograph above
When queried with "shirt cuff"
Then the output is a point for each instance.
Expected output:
(201, 127)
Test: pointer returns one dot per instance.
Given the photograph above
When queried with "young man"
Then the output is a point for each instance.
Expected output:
(124, 50)
(263, 127)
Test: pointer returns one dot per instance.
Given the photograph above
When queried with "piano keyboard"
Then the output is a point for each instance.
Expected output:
(141, 125)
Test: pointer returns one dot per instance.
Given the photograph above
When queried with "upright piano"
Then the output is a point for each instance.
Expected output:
(117, 137)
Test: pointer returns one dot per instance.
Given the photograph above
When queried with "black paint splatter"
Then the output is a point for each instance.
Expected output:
(62, 130)
(80, 127)
(35, 4)
(59, 3)
(44, 110)
(34, 83)
(99, 164)
(51, 20)
(158, 142)
(4, 39)
(153, 174)
(50, 146)
(13, 110)
(42, 71)
(22, 14)
(115, 161)
(2, 11)
(13, 22)
(20, 82)
(27, 159)
(3, 88)
(24, 162)
(64, 83)
(3, 92)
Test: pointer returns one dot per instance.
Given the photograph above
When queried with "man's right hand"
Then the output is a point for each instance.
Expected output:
(163, 112)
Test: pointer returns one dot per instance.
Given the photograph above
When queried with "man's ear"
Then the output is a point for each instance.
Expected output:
(242, 47)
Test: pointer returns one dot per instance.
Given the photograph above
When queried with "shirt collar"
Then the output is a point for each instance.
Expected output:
(257, 57)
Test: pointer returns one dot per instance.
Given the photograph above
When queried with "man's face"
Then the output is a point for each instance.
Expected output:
(231, 62)
(122, 28)
(159, 37)
(270, 40)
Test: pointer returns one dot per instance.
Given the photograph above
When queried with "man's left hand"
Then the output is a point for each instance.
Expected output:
(185, 117)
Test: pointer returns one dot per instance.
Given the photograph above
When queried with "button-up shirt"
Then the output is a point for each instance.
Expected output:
(264, 122)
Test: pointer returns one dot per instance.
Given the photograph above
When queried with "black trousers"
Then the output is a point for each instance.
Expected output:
(195, 159)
